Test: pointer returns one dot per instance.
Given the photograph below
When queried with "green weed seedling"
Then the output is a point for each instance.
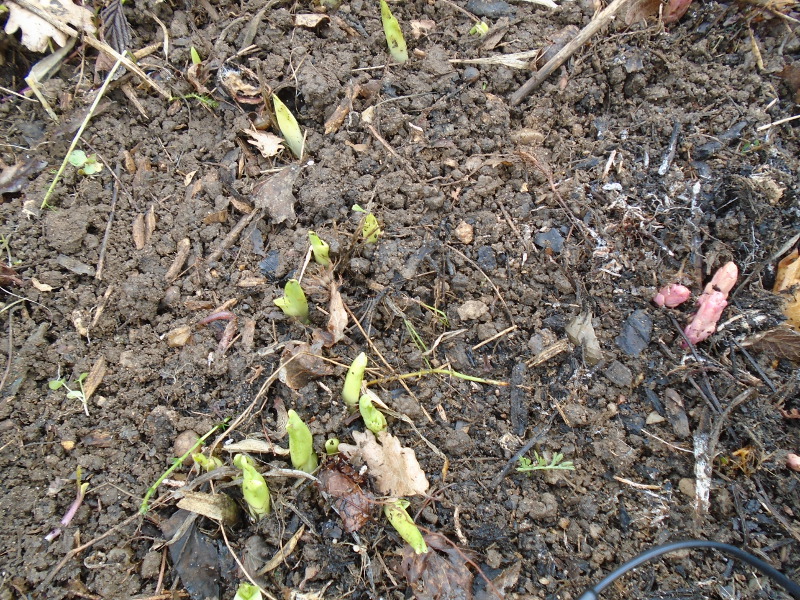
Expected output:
(206, 101)
(320, 249)
(248, 591)
(370, 230)
(196, 60)
(289, 128)
(526, 465)
(301, 444)
(351, 392)
(395, 511)
(72, 394)
(86, 165)
(480, 29)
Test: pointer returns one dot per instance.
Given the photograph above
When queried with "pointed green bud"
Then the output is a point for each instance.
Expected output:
(332, 446)
(247, 591)
(351, 391)
(301, 444)
(254, 487)
(320, 248)
(373, 418)
(207, 463)
(395, 511)
(293, 303)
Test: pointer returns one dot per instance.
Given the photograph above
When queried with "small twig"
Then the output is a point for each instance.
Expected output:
(495, 337)
(638, 486)
(600, 21)
(241, 566)
(423, 372)
(101, 262)
(233, 235)
(669, 156)
(485, 276)
(779, 122)
(392, 151)
(10, 348)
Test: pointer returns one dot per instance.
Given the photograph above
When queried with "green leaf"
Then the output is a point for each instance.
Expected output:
(320, 248)
(288, 126)
(196, 60)
(373, 418)
(55, 384)
(82, 377)
(247, 591)
(77, 158)
(371, 230)
(92, 166)
(254, 487)
(480, 29)
(351, 392)
(75, 395)
(394, 35)
(293, 303)
(357, 208)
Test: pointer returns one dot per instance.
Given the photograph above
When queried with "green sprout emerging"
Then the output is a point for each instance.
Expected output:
(293, 303)
(254, 487)
(394, 35)
(373, 418)
(87, 165)
(196, 60)
(301, 444)
(526, 465)
(351, 392)
(207, 463)
(395, 511)
(320, 249)
(57, 384)
(288, 126)
(332, 446)
(247, 591)
(370, 230)
(480, 29)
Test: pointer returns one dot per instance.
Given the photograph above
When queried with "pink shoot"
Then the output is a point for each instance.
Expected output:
(672, 295)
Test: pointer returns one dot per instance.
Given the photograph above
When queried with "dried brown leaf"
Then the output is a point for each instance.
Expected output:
(181, 254)
(275, 195)
(396, 470)
(337, 321)
(439, 574)
(341, 483)
(139, 236)
(238, 89)
(310, 21)
(780, 342)
(95, 377)
(219, 507)
(36, 32)
(788, 272)
(219, 216)
(9, 276)
(305, 365)
(15, 177)
(256, 447)
(268, 144)
(115, 30)
(421, 27)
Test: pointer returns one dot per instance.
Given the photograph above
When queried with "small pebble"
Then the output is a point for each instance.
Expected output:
(465, 233)
(551, 238)
(654, 418)
(486, 258)
(686, 486)
(472, 309)
(635, 334)
(471, 74)
(618, 374)
(183, 444)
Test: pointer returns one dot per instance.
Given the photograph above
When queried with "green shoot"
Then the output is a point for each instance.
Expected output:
(289, 127)
(207, 463)
(436, 372)
(254, 487)
(526, 465)
(204, 100)
(394, 35)
(395, 511)
(79, 133)
(196, 60)
(441, 316)
(332, 446)
(371, 229)
(351, 392)
(480, 29)
(248, 591)
(72, 394)
(320, 249)
(418, 341)
(301, 444)
(87, 165)
(176, 465)
(373, 418)
(293, 303)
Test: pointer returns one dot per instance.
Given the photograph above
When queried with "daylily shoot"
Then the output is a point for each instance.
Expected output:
(293, 302)
(301, 444)
(351, 392)
(320, 249)
(254, 487)
(394, 35)
(395, 511)
(373, 418)
(288, 126)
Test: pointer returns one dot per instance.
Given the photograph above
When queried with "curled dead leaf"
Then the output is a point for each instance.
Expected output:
(275, 195)
(301, 364)
(310, 21)
(268, 144)
(339, 481)
(440, 574)
(219, 507)
(396, 470)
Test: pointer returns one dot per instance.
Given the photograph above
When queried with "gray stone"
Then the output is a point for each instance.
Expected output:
(636, 332)
(551, 238)
(619, 374)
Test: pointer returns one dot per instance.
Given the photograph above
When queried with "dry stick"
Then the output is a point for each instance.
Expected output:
(101, 262)
(241, 566)
(10, 348)
(409, 169)
(705, 443)
(538, 435)
(234, 234)
(600, 21)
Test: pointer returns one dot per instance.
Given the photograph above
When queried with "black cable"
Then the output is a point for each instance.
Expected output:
(790, 586)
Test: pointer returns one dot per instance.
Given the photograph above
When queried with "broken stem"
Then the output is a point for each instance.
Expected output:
(435, 372)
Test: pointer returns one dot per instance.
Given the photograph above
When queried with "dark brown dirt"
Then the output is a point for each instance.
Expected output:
(454, 140)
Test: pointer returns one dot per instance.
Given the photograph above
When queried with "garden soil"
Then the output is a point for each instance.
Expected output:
(642, 162)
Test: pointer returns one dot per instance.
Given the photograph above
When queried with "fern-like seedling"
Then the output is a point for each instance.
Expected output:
(557, 463)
